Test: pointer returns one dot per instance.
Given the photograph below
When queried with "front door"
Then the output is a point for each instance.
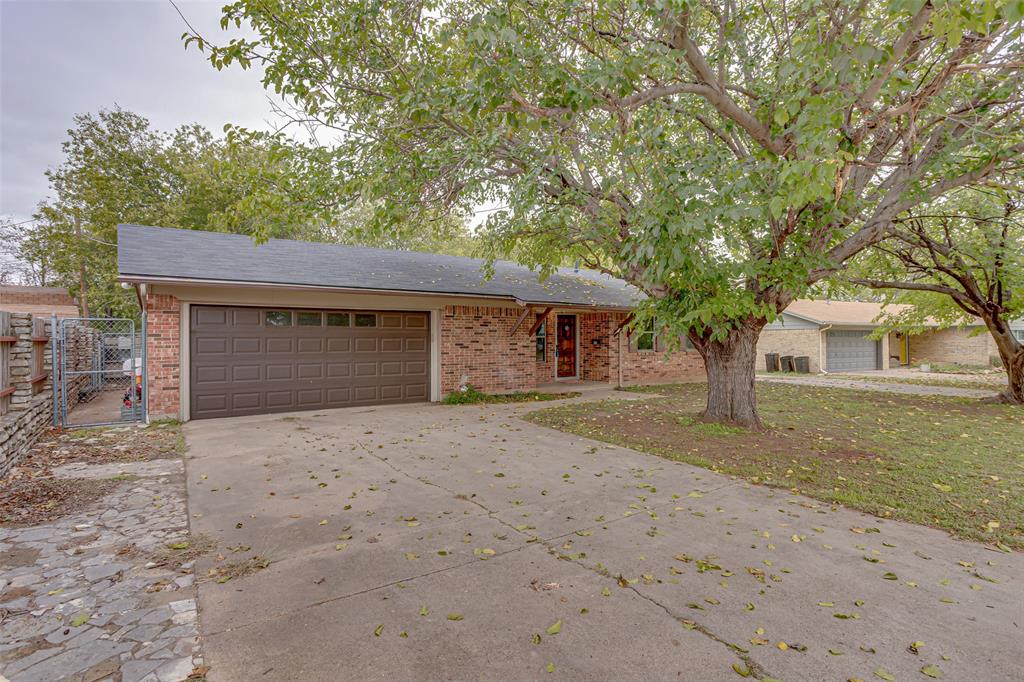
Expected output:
(566, 346)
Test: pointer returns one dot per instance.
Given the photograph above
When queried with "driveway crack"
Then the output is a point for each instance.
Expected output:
(549, 544)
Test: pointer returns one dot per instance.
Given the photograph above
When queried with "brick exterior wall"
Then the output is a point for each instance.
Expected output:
(35, 295)
(953, 345)
(793, 342)
(647, 367)
(476, 343)
(163, 355)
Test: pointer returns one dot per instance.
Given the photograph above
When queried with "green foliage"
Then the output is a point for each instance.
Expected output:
(117, 169)
(957, 261)
(472, 396)
(720, 156)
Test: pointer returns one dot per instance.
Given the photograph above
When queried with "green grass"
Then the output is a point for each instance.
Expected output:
(956, 368)
(472, 396)
(951, 463)
(995, 384)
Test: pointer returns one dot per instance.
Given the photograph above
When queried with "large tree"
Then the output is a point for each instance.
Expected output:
(959, 261)
(117, 169)
(721, 156)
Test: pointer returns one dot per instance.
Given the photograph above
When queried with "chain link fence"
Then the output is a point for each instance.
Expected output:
(101, 378)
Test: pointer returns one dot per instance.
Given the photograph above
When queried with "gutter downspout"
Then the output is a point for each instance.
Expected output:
(821, 349)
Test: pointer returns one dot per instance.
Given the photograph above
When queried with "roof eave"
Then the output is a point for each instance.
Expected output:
(151, 279)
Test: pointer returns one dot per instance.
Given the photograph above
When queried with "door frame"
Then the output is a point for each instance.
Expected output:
(576, 346)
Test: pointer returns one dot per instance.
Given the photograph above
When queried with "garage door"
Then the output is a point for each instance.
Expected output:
(849, 350)
(260, 360)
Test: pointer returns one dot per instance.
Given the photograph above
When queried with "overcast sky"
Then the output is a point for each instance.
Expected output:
(62, 57)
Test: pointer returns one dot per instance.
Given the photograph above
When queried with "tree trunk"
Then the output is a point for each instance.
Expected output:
(1011, 352)
(730, 368)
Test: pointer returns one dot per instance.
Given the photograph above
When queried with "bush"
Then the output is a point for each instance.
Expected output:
(471, 395)
(466, 397)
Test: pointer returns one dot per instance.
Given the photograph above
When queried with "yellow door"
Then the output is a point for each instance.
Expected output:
(904, 349)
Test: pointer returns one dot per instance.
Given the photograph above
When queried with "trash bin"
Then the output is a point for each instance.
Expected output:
(803, 364)
(787, 363)
(771, 362)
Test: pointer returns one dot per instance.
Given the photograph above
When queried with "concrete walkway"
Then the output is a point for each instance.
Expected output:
(429, 542)
(864, 383)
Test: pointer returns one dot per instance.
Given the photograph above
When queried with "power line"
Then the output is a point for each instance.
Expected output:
(23, 222)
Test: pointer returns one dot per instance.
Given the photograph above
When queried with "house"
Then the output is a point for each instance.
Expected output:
(835, 336)
(238, 329)
(39, 301)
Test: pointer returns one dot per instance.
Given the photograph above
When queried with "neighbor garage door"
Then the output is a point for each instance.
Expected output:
(849, 350)
(259, 360)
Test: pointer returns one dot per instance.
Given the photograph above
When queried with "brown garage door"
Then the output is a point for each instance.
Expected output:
(259, 360)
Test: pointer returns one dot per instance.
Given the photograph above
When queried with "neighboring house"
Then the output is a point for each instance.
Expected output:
(40, 301)
(834, 335)
(240, 329)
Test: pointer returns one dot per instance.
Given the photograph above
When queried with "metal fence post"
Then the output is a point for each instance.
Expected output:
(145, 378)
(54, 369)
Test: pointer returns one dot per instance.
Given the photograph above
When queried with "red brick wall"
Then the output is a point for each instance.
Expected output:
(163, 355)
(596, 346)
(31, 295)
(646, 367)
(476, 342)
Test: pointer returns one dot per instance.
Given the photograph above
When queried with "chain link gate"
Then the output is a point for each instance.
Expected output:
(101, 372)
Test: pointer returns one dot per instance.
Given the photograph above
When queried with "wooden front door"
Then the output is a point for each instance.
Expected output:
(566, 338)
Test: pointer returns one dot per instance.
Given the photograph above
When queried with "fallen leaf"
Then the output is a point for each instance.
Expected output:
(555, 628)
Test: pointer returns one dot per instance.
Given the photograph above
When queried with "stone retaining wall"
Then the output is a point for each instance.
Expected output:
(30, 407)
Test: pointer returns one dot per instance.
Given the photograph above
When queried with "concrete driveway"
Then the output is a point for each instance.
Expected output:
(461, 543)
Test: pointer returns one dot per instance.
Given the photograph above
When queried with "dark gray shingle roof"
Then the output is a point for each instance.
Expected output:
(160, 252)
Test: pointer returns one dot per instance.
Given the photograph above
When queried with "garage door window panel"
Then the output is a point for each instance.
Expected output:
(338, 319)
(278, 318)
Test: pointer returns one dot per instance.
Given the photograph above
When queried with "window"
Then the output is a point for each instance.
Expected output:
(542, 342)
(278, 318)
(337, 319)
(645, 338)
(309, 319)
(686, 343)
(1019, 333)
(366, 320)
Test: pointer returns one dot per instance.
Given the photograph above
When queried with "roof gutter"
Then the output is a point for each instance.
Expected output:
(143, 279)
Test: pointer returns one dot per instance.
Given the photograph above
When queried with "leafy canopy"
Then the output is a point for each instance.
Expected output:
(117, 169)
(722, 156)
(956, 261)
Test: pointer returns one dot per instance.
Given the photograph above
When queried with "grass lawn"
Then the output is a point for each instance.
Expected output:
(996, 382)
(947, 462)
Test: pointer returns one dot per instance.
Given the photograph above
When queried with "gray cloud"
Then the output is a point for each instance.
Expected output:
(62, 57)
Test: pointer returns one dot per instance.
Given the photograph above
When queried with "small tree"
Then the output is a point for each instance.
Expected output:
(721, 156)
(959, 261)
